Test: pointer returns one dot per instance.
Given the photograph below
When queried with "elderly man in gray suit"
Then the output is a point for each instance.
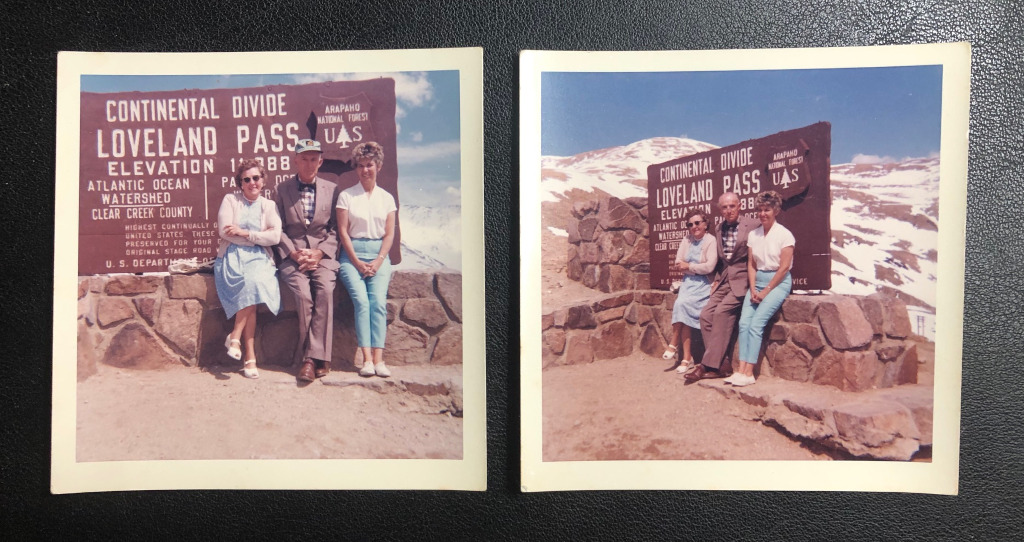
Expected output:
(718, 319)
(308, 253)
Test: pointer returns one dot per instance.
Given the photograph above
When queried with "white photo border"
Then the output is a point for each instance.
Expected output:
(941, 474)
(468, 473)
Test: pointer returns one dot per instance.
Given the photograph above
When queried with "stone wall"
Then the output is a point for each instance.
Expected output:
(608, 244)
(151, 321)
(851, 343)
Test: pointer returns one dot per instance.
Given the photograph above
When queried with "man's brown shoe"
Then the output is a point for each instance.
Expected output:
(702, 373)
(323, 368)
(306, 373)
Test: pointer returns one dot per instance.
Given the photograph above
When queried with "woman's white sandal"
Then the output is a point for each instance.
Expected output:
(234, 347)
(670, 353)
(250, 372)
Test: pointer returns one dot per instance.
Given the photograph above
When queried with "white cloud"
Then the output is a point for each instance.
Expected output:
(416, 136)
(872, 159)
(416, 154)
(453, 191)
(411, 88)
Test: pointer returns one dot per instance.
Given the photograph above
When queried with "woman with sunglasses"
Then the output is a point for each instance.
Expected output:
(244, 270)
(696, 258)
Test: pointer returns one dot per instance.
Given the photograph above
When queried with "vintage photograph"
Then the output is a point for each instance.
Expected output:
(275, 261)
(740, 257)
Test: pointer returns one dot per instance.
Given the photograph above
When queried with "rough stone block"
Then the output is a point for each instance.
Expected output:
(612, 245)
(640, 253)
(554, 340)
(178, 321)
(612, 301)
(589, 253)
(843, 323)
(394, 307)
(873, 312)
(113, 310)
(859, 370)
(608, 315)
(410, 285)
(897, 319)
(559, 317)
(86, 352)
(574, 269)
(643, 280)
(614, 278)
(146, 307)
(588, 229)
(630, 237)
(199, 286)
(573, 229)
(135, 347)
(791, 362)
(547, 321)
(619, 215)
(638, 314)
(654, 298)
(807, 336)
(449, 290)
(613, 340)
(425, 313)
(591, 274)
(889, 350)
(637, 202)
(406, 344)
(920, 401)
(132, 284)
(651, 341)
(448, 350)
(827, 369)
(583, 208)
(663, 318)
(578, 349)
(580, 317)
(83, 287)
(875, 423)
(87, 310)
(779, 332)
(800, 308)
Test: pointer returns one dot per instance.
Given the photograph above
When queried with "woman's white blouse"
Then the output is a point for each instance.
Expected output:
(767, 249)
(367, 212)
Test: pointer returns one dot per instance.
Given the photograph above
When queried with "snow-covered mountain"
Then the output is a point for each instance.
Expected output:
(431, 237)
(618, 171)
(884, 216)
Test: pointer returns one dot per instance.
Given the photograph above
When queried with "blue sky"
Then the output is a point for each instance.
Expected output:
(428, 120)
(875, 112)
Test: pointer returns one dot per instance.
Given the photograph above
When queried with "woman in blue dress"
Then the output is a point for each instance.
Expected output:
(696, 258)
(244, 271)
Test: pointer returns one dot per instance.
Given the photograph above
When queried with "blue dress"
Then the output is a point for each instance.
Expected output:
(246, 276)
(694, 291)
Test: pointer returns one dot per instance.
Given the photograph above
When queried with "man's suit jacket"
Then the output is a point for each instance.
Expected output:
(322, 231)
(733, 271)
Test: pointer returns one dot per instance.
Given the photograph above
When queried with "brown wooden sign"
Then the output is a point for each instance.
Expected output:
(795, 163)
(156, 165)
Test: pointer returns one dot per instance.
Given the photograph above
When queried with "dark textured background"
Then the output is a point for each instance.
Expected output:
(991, 501)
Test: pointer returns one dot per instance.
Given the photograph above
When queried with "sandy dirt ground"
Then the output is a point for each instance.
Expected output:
(188, 413)
(636, 407)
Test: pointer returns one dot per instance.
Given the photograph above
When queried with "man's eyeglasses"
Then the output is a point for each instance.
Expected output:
(254, 178)
(694, 223)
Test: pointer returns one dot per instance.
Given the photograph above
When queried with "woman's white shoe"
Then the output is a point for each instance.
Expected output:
(233, 346)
